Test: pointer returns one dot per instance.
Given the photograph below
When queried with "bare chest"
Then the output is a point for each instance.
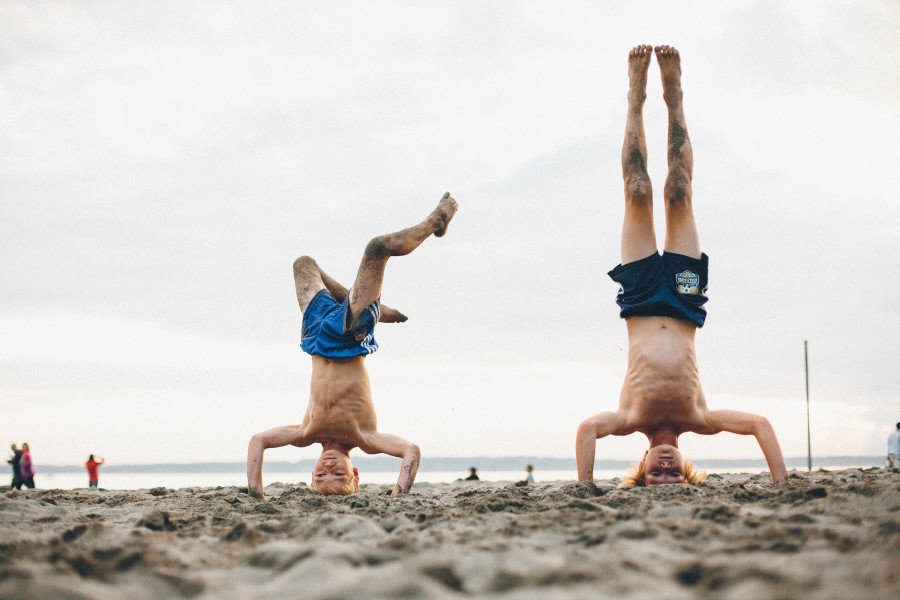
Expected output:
(662, 385)
(340, 402)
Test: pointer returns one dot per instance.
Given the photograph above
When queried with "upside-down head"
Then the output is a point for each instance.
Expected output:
(335, 474)
(662, 464)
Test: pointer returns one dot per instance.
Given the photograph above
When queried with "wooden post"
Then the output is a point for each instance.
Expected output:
(808, 433)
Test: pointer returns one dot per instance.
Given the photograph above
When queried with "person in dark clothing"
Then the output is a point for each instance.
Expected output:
(14, 461)
(473, 476)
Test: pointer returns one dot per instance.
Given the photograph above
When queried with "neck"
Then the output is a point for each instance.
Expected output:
(658, 438)
(342, 448)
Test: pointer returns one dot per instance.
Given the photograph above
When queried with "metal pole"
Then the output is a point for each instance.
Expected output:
(808, 434)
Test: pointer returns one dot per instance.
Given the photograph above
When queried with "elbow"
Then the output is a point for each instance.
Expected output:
(413, 453)
(256, 442)
(586, 431)
(762, 424)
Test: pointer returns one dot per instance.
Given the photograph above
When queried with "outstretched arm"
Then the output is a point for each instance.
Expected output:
(273, 438)
(735, 421)
(590, 430)
(385, 443)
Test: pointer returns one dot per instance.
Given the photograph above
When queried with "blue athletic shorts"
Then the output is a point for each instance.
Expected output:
(326, 332)
(671, 285)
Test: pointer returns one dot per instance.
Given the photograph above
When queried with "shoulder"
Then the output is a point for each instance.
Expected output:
(611, 423)
(708, 423)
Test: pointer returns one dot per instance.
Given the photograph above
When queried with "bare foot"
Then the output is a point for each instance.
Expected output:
(445, 210)
(670, 69)
(256, 493)
(391, 315)
(638, 64)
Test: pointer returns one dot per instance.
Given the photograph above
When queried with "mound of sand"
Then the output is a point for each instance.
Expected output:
(820, 535)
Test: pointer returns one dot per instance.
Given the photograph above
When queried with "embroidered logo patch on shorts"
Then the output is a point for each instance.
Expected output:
(687, 282)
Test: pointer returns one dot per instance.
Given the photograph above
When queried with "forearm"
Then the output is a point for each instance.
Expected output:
(255, 451)
(408, 470)
(768, 443)
(585, 449)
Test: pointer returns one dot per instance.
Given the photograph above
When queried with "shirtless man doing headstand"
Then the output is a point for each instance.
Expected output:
(338, 334)
(661, 300)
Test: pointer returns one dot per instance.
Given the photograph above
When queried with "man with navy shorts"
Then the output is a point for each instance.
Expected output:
(661, 298)
(338, 333)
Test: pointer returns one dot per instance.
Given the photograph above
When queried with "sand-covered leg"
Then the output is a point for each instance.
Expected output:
(309, 278)
(367, 286)
(638, 234)
(681, 228)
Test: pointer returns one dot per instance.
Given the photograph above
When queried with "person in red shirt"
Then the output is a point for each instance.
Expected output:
(92, 466)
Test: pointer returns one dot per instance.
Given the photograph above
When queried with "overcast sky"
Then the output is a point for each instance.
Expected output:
(164, 163)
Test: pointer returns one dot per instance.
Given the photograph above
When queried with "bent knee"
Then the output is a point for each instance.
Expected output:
(304, 264)
(378, 247)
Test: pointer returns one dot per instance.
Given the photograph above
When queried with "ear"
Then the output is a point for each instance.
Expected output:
(356, 473)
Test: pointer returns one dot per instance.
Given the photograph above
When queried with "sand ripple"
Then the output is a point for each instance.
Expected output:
(820, 535)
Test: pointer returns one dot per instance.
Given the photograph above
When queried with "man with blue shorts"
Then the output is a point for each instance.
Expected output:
(338, 326)
(661, 299)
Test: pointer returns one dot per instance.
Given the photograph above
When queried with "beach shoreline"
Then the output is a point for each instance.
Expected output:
(823, 534)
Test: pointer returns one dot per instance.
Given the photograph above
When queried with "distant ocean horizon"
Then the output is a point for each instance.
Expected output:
(380, 464)
(383, 470)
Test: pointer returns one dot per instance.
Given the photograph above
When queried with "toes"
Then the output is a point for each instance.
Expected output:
(641, 50)
(665, 52)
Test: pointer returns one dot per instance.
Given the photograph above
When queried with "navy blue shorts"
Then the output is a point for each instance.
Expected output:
(671, 285)
(326, 332)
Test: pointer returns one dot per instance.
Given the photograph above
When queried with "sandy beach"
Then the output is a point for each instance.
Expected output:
(821, 535)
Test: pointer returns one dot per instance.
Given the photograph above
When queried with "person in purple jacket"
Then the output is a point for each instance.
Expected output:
(26, 467)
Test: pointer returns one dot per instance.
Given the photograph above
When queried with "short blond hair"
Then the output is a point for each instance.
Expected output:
(351, 487)
(638, 475)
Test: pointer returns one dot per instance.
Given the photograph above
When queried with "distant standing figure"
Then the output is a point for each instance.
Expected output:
(894, 449)
(529, 475)
(92, 466)
(17, 473)
(26, 468)
(473, 476)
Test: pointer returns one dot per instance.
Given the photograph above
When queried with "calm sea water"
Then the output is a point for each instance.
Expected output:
(141, 481)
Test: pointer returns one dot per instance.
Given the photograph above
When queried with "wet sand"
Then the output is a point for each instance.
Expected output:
(821, 535)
